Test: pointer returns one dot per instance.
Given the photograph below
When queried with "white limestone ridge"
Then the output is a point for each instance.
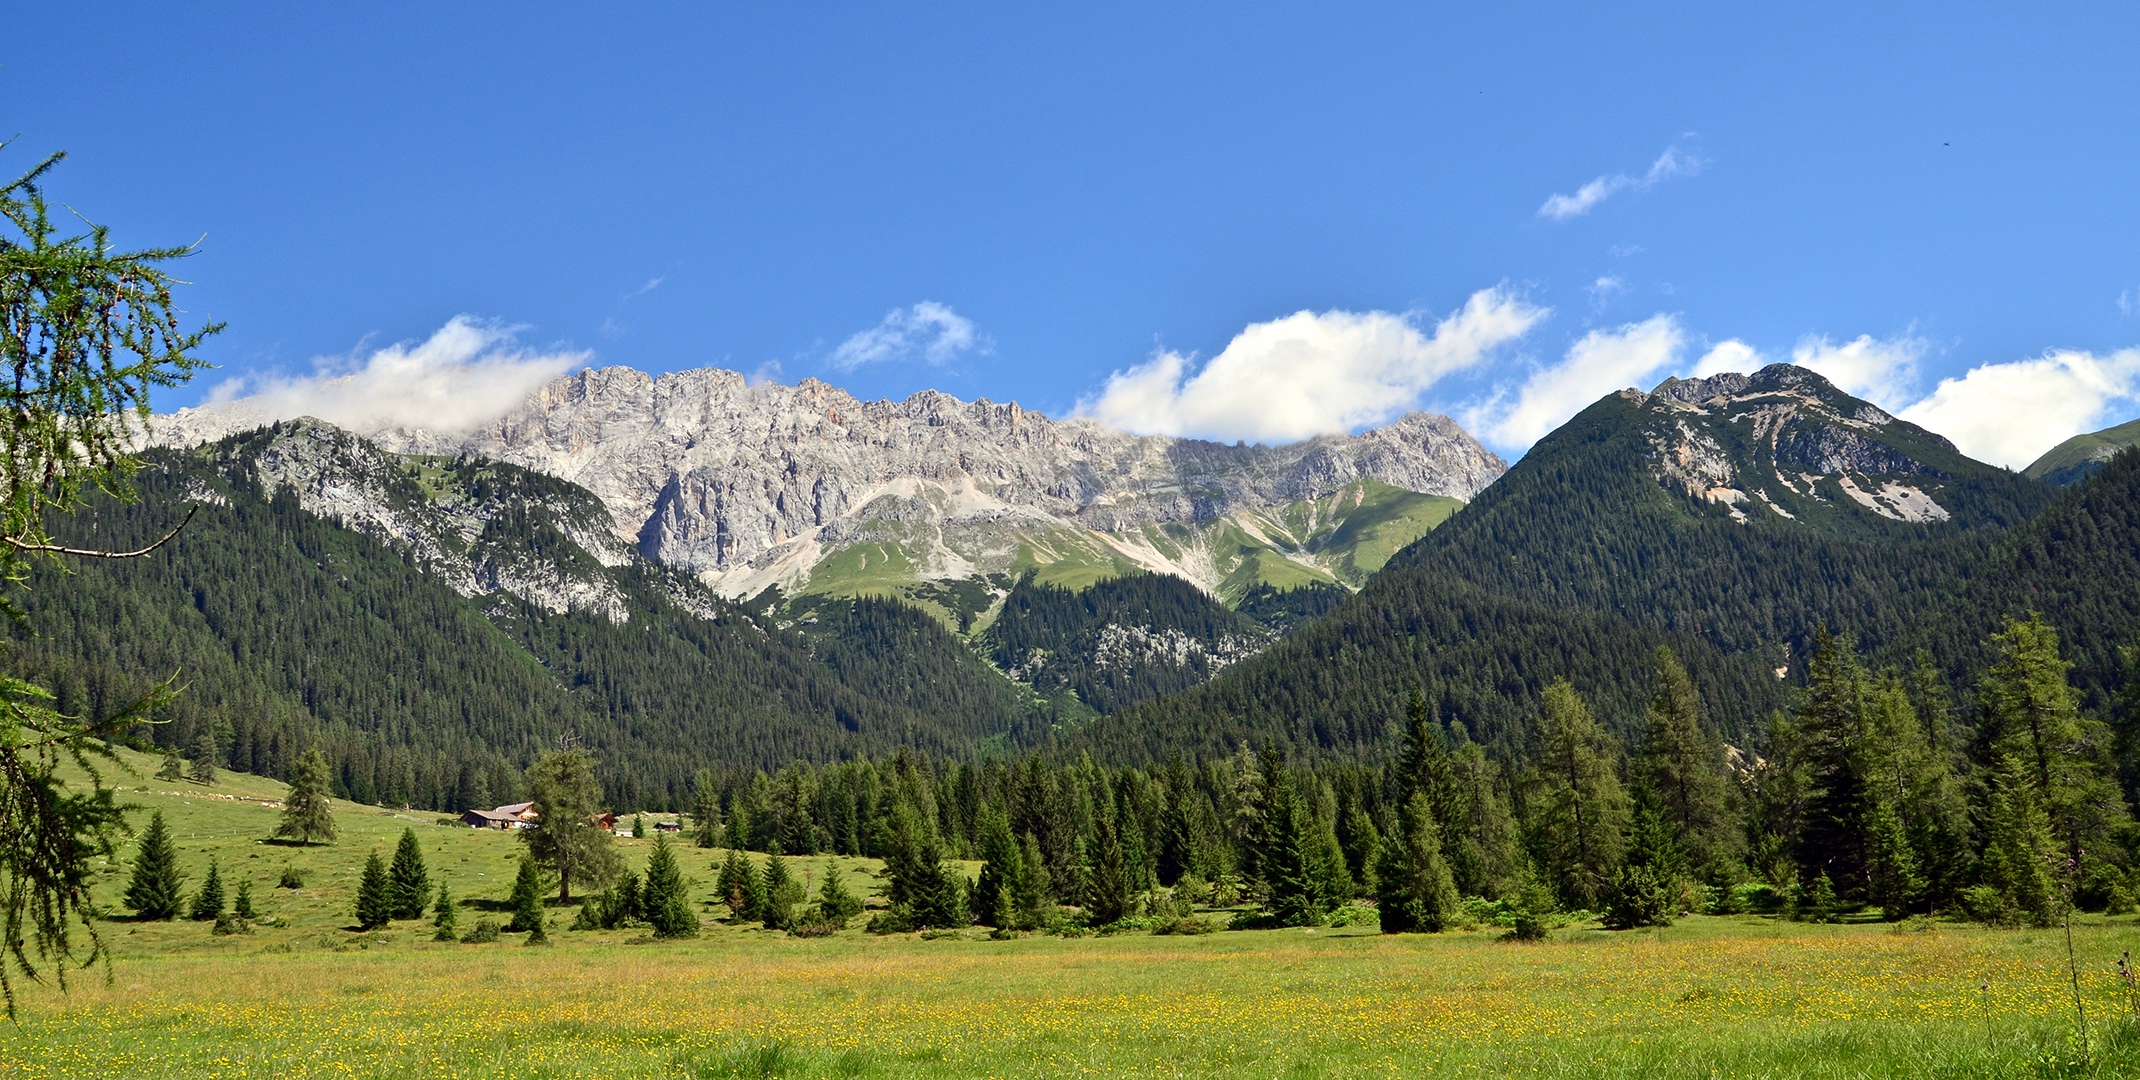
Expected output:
(748, 485)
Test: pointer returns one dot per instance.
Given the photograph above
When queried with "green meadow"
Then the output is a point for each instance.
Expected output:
(306, 995)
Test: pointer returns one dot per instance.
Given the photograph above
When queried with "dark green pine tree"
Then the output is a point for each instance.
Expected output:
(208, 903)
(242, 905)
(442, 915)
(1109, 898)
(1427, 767)
(1831, 718)
(732, 884)
(2032, 715)
(526, 901)
(663, 898)
(173, 768)
(1647, 889)
(1293, 850)
(1896, 881)
(408, 882)
(1415, 890)
(154, 892)
(782, 893)
(375, 899)
(1002, 877)
(834, 902)
(1035, 897)
(204, 756)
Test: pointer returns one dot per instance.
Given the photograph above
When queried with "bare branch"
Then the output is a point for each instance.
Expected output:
(89, 553)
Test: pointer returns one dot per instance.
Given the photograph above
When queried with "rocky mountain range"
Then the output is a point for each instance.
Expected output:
(807, 488)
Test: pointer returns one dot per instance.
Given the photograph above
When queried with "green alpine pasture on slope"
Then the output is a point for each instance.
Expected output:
(1740, 997)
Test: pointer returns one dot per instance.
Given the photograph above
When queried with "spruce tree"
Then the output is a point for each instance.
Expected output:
(204, 756)
(1362, 843)
(173, 767)
(2020, 845)
(1579, 812)
(1002, 872)
(1684, 766)
(154, 892)
(442, 915)
(1893, 863)
(408, 882)
(1294, 853)
(375, 901)
(782, 893)
(208, 903)
(1415, 891)
(730, 885)
(662, 899)
(639, 827)
(307, 815)
(526, 900)
(242, 906)
(1034, 898)
(1647, 889)
(1428, 768)
(1109, 898)
(1831, 718)
(834, 902)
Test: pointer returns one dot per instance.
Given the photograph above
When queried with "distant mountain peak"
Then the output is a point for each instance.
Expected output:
(808, 487)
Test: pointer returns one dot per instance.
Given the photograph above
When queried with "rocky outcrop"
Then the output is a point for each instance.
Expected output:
(1786, 441)
(749, 485)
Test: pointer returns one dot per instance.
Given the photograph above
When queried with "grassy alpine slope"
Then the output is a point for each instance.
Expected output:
(1742, 996)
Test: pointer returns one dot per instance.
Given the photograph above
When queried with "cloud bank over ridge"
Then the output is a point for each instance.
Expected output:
(1309, 373)
(466, 374)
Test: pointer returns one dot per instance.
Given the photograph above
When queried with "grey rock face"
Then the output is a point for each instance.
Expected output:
(748, 486)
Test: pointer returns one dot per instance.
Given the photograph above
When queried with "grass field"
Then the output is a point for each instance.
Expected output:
(1743, 997)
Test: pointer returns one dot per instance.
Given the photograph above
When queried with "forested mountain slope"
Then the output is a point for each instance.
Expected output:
(1730, 517)
(437, 620)
(1120, 641)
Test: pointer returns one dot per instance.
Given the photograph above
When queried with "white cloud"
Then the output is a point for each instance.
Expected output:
(929, 330)
(2010, 414)
(465, 375)
(1605, 290)
(1601, 362)
(1728, 355)
(1669, 164)
(1883, 372)
(1308, 374)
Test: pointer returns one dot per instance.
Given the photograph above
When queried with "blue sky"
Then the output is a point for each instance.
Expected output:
(1024, 204)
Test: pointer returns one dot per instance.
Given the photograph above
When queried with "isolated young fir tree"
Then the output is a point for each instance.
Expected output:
(173, 768)
(208, 903)
(1578, 810)
(307, 816)
(408, 882)
(375, 898)
(155, 890)
(1415, 892)
(442, 915)
(526, 899)
(663, 899)
(242, 904)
